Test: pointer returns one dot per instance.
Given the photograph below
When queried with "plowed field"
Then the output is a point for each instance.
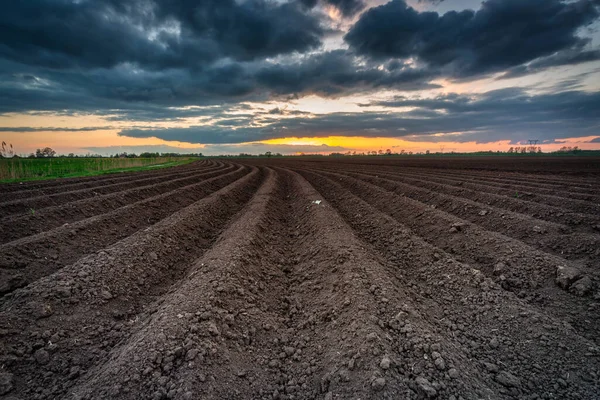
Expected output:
(358, 278)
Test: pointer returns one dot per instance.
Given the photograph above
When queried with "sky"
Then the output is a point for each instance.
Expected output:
(299, 76)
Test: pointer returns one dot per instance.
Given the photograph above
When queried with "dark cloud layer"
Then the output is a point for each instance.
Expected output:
(329, 74)
(508, 114)
(152, 34)
(167, 60)
(502, 34)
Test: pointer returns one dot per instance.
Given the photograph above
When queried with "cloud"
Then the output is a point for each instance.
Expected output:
(152, 34)
(501, 34)
(141, 61)
(567, 57)
(509, 114)
(336, 73)
(133, 58)
(330, 74)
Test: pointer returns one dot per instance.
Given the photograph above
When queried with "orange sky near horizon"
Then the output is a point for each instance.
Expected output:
(65, 142)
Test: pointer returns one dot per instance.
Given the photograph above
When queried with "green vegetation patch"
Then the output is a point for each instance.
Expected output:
(27, 169)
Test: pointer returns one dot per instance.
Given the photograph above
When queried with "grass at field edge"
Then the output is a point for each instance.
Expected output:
(94, 173)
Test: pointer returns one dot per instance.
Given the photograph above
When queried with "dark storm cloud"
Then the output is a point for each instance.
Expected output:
(508, 114)
(152, 34)
(500, 35)
(332, 74)
(336, 73)
(562, 58)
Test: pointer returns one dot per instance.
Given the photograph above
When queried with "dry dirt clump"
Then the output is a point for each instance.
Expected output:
(303, 279)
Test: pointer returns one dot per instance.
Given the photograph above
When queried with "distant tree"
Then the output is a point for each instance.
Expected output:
(6, 150)
(147, 154)
(46, 152)
(427, 152)
(71, 155)
(31, 155)
(268, 154)
(511, 150)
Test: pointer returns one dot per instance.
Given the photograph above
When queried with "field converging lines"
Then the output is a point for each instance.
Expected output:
(291, 279)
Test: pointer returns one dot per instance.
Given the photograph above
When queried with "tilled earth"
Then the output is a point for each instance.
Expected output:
(361, 278)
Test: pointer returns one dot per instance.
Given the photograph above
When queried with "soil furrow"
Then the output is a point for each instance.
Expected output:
(521, 184)
(578, 206)
(550, 237)
(585, 186)
(580, 169)
(575, 221)
(216, 329)
(581, 200)
(102, 181)
(62, 195)
(60, 326)
(480, 324)
(30, 258)
(549, 181)
(39, 203)
(514, 265)
(92, 180)
(16, 227)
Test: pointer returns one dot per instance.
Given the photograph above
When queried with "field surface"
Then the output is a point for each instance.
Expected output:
(305, 278)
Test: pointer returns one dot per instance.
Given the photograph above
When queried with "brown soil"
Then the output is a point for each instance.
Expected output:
(357, 278)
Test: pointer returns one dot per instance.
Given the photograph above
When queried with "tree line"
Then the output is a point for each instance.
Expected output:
(7, 151)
